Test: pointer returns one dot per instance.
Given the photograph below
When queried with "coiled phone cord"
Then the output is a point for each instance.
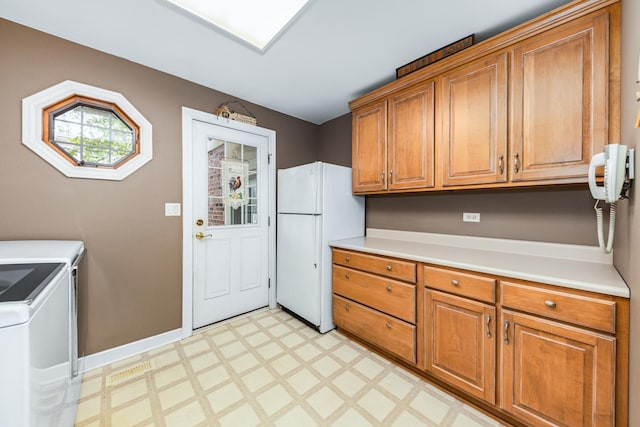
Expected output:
(612, 226)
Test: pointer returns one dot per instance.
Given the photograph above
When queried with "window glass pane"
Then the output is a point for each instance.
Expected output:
(216, 152)
(251, 212)
(95, 138)
(122, 139)
(95, 117)
(96, 155)
(216, 212)
(72, 149)
(251, 156)
(234, 151)
(233, 216)
(215, 182)
(118, 156)
(72, 116)
(67, 132)
(118, 124)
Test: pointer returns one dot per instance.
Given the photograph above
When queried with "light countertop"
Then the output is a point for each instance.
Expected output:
(572, 266)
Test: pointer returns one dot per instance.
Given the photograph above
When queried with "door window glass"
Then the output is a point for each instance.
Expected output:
(232, 183)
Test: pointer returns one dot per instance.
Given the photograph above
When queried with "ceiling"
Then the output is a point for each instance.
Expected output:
(335, 51)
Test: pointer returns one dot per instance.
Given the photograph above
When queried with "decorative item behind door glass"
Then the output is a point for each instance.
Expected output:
(234, 182)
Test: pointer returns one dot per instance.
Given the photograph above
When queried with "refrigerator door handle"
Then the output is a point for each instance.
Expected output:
(316, 245)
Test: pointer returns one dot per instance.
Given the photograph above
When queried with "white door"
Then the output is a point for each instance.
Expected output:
(229, 224)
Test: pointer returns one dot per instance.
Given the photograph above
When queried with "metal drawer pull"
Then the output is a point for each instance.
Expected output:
(388, 268)
(388, 325)
(550, 304)
(346, 308)
(346, 259)
(516, 163)
(388, 288)
(506, 332)
(454, 282)
(501, 164)
(488, 326)
(346, 276)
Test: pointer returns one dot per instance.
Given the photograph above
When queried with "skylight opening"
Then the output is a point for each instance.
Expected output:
(257, 22)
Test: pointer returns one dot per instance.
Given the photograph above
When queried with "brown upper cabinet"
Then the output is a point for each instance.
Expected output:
(474, 123)
(559, 108)
(393, 141)
(527, 107)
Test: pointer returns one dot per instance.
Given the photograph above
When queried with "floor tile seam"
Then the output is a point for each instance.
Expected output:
(201, 393)
(236, 378)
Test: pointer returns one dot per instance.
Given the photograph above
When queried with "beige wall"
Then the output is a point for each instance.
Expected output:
(336, 141)
(627, 244)
(132, 278)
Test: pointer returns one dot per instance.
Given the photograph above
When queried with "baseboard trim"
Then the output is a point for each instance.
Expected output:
(97, 360)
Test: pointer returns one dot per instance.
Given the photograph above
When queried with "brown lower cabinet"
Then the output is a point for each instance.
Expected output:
(555, 374)
(460, 343)
(528, 353)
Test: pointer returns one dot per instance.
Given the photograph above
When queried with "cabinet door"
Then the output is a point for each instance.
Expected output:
(556, 375)
(559, 100)
(460, 343)
(411, 138)
(474, 123)
(369, 155)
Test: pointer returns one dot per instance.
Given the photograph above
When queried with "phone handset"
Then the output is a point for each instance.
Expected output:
(614, 159)
(616, 182)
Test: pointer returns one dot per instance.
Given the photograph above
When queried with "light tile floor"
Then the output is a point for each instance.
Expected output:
(265, 369)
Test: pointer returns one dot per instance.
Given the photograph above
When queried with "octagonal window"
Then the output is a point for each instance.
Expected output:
(86, 132)
(91, 133)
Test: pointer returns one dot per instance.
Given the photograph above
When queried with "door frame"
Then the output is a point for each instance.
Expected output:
(188, 116)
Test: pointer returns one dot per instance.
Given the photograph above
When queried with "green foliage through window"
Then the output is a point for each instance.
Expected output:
(91, 134)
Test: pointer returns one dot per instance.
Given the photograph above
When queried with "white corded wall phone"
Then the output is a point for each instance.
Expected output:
(619, 170)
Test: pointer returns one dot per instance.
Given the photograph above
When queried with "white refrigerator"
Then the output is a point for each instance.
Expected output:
(315, 206)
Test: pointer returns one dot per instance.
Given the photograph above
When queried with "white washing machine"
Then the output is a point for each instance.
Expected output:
(40, 382)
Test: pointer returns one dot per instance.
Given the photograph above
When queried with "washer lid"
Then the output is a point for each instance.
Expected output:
(33, 281)
(35, 251)
(24, 282)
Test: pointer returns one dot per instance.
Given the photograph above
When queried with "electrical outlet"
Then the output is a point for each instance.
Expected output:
(470, 217)
(172, 209)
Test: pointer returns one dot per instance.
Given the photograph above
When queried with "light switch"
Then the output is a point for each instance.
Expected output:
(172, 209)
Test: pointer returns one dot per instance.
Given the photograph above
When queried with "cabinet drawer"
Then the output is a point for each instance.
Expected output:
(463, 284)
(386, 332)
(396, 269)
(390, 296)
(577, 309)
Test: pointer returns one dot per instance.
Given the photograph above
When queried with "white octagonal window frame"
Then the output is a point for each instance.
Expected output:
(32, 132)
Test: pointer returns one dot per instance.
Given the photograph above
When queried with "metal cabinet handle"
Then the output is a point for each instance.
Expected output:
(383, 181)
(346, 276)
(346, 259)
(454, 282)
(388, 288)
(391, 175)
(516, 163)
(346, 308)
(388, 325)
(488, 326)
(506, 332)
(550, 304)
(388, 268)
(501, 164)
